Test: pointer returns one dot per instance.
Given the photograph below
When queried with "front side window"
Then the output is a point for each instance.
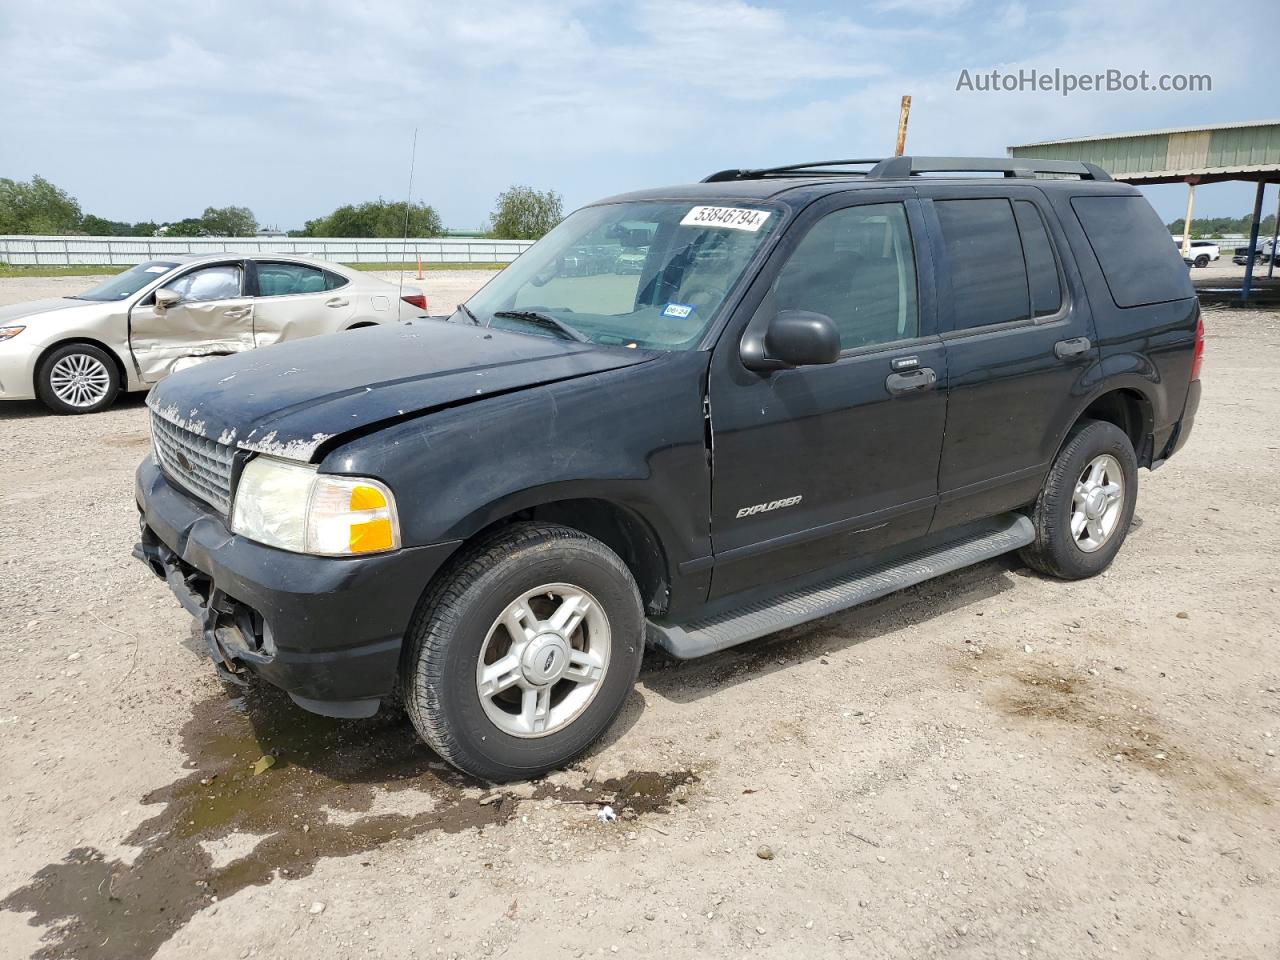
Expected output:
(288, 279)
(208, 283)
(645, 274)
(126, 284)
(857, 267)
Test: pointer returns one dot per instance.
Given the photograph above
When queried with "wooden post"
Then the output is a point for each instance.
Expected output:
(902, 126)
(1186, 221)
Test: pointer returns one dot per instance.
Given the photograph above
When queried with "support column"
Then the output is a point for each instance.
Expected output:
(1253, 241)
(1186, 221)
(1275, 238)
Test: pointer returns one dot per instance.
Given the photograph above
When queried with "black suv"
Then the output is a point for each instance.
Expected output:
(807, 387)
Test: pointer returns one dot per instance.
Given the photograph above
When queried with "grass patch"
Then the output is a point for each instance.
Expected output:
(49, 270)
(102, 269)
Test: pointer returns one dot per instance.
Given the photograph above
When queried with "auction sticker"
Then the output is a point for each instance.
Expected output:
(732, 218)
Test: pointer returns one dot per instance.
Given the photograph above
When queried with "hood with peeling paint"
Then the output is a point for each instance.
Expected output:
(288, 399)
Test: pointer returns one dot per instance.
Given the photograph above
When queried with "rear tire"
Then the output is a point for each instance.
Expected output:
(1080, 520)
(523, 653)
(78, 378)
(1202, 260)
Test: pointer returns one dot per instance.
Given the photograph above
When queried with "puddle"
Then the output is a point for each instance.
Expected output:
(313, 802)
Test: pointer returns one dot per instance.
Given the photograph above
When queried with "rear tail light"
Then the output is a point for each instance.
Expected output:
(1197, 358)
(418, 300)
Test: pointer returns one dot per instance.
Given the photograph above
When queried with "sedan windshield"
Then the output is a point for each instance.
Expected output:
(126, 284)
(644, 274)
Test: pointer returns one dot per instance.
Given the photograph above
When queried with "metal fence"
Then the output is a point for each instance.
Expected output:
(127, 250)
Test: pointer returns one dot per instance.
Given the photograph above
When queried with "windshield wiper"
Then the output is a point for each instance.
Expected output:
(467, 310)
(546, 320)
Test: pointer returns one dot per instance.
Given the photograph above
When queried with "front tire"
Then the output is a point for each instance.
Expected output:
(524, 652)
(78, 378)
(1085, 509)
(1202, 260)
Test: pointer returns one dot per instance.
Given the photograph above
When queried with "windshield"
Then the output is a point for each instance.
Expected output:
(649, 274)
(128, 283)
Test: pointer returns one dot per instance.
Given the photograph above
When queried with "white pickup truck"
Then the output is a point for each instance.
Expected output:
(1201, 254)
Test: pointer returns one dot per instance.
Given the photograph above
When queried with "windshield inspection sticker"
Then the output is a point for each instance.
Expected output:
(733, 218)
(680, 310)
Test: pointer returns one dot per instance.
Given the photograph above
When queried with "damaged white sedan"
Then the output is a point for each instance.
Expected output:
(77, 354)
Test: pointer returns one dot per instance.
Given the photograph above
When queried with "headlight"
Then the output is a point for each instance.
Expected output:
(291, 506)
(8, 332)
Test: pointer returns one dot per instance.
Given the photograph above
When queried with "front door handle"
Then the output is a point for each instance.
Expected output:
(1067, 349)
(911, 381)
(237, 313)
(336, 302)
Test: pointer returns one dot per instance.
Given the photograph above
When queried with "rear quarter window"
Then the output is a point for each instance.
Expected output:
(1139, 263)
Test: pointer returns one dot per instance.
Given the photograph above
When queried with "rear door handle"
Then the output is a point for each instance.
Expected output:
(911, 381)
(1066, 349)
(336, 302)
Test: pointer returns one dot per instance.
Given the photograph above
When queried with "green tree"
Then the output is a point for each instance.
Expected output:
(376, 218)
(190, 227)
(229, 222)
(37, 207)
(1220, 226)
(522, 213)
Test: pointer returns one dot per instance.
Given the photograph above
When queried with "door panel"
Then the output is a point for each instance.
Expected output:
(216, 320)
(1011, 395)
(863, 461)
(819, 467)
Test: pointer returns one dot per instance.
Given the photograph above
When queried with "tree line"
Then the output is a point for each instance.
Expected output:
(1207, 228)
(38, 206)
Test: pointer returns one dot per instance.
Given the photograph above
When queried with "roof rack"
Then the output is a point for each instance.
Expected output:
(901, 168)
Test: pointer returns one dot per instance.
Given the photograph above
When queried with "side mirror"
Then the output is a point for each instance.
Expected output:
(800, 338)
(166, 298)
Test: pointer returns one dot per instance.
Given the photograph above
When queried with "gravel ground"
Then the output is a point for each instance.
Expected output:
(989, 765)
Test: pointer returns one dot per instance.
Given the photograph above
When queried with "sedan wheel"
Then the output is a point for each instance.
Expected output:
(78, 378)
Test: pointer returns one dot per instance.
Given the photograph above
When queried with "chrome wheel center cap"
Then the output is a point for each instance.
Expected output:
(1095, 504)
(545, 659)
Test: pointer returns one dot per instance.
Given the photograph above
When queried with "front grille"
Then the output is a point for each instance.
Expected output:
(200, 465)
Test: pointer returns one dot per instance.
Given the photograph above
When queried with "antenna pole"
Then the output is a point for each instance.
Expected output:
(902, 126)
(408, 206)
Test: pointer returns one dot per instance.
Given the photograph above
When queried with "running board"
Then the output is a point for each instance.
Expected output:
(701, 637)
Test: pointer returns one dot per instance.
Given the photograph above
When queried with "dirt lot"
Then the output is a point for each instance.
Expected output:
(990, 765)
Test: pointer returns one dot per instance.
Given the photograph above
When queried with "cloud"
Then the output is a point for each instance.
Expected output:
(155, 111)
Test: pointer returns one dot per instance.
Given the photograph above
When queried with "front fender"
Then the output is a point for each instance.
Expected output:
(633, 437)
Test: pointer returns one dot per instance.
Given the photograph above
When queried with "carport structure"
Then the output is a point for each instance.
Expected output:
(1191, 155)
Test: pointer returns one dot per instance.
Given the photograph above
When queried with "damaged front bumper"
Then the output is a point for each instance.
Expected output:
(326, 630)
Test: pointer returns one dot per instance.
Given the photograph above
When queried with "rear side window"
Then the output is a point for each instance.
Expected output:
(288, 279)
(1141, 266)
(988, 278)
(1042, 266)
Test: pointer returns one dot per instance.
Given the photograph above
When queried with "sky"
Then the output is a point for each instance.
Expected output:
(153, 111)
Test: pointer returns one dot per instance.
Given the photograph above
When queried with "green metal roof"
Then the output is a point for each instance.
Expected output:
(1240, 151)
